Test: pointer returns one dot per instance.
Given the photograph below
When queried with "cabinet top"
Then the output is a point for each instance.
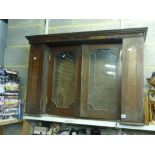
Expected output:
(88, 36)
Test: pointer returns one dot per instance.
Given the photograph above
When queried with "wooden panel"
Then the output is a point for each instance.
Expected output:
(132, 81)
(63, 92)
(1, 130)
(8, 122)
(26, 127)
(11, 121)
(146, 110)
(34, 79)
(44, 80)
(78, 37)
(100, 82)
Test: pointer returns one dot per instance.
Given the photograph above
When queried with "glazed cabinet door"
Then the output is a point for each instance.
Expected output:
(34, 81)
(64, 76)
(101, 72)
(132, 81)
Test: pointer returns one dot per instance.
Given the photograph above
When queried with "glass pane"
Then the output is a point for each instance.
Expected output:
(64, 79)
(102, 80)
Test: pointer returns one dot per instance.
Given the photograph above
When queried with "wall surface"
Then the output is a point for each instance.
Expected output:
(17, 47)
(3, 31)
(17, 54)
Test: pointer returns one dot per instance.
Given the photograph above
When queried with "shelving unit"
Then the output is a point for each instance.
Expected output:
(8, 122)
(10, 103)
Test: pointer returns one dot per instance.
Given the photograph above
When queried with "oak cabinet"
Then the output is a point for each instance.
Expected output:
(97, 75)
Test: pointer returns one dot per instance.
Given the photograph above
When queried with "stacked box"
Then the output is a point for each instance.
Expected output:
(11, 105)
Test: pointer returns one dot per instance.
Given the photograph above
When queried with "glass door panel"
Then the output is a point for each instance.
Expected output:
(64, 79)
(101, 73)
(64, 76)
(102, 80)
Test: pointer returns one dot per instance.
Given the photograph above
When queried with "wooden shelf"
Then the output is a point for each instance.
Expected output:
(10, 121)
(142, 128)
(101, 123)
(50, 118)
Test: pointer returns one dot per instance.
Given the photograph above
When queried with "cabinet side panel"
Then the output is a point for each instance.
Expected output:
(34, 82)
(132, 80)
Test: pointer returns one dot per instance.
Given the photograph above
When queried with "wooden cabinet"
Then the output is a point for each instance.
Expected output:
(97, 75)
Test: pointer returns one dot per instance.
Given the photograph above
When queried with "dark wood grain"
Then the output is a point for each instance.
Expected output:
(44, 80)
(34, 81)
(81, 37)
(146, 110)
(132, 80)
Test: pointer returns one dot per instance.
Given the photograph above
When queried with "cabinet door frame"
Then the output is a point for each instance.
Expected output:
(84, 112)
(51, 107)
